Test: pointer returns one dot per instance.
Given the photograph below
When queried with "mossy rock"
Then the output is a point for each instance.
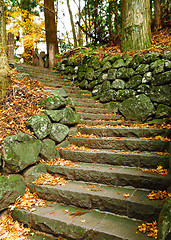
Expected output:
(112, 74)
(81, 76)
(69, 117)
(147, 77)
(92, 84)
(118, 84)
(151, 57)
(106, 86)
(89, 74)
(54, 115)
(162, 78)
(112, 106)
(84, 84)
(142, 69)
(48, 150)
(55, 102)
(124, 94)
(134, 81)
(59, 132)
(163, 111)
(97, 90)
(108, 96)
(137, 59)
(161, 94)
(106, 66)
(157, 66)
(118, 63)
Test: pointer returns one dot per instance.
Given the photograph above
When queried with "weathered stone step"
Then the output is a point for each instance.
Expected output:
(104, 198)
(83, 100)
(104, 156)
(81, 95)
(87, 104)
(35, 235)
(132, 144)
(114, 175)
(95, 122)
(125, 132)
(91, 110)
(92, 225)
(100, 116)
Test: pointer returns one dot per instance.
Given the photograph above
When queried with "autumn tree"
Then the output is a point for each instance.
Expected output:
(51, 31)
(72, 24)
(136, 25)
(157, 14)
(4, 66)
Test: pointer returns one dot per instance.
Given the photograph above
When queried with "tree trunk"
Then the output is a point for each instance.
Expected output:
(80, 38)
(157, 14)
(51, 34)
(136, 25)
(72, 24)
(4, 66)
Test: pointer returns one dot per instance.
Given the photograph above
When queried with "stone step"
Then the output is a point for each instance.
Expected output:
(36, 235)
(88, 104)
(96, 122)
(91, 110)
(132, 144)
(125, 132)
(125, 201)
(83, 100)
(112, 175)
(56, 219)
(100, 116)
(80, 96)
(148, 160)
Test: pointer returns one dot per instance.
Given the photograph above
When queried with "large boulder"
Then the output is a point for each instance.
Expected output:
(20, 151)
(34, 172)
(69, 117)
(163, 111)
(54, 115)
(118, 84)
(48, 149)
(124, 94)
(89, 75)
(58, 92)
(59, 132)
(134, 81)
(55, 102)
(163, 78)
(137, 108)
(161, 94)
(164, 223)
(40, 125)
(11, 187)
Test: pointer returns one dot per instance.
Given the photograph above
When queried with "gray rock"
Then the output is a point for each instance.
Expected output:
(84, 84)
(108, 96)
(118, 63)
(40, 125)
(83, 67)
(20, 151)
(55, 102)
(69, 117)
(96, 63)
(112, 74)
(76, 69)
(122, 73)
(106, 86)
(105, 60)
(118, 84)
(81, 76)
(22, 76)
(143, 88)
(161, 94)
(59, 132)
(62, 67)
(142, 68)
(167, 64)
(97, 90)
(114, 58)
(157, 66)
(48, 149)
(134, 81)
(147, 77)
(167, 55)
(124, 94)
(92, 84)
(89, 74)
(11, 187)
(128, 60)
(163, 111)
(137, 108)
(164, 223)
(70, 103)
(106, 66)
(35, 172)
(103, 77)
(112, 106)
(58, 92)
(69, 69)
(97, 73)
(54, 115)
(136, 61)
(151, 57)
(162, 78)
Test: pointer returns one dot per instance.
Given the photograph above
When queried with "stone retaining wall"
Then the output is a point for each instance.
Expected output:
(114, 80)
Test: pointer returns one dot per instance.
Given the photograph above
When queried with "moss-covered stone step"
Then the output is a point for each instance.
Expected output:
(100, 116)
(125, 132)
(56, 219)
(36, 235)
(132, 144)
(125, 201)
(114, 175)
(95, 122)
(119, 158)
(80, 96)
(84, 99)
(91, 110)
(88, 104)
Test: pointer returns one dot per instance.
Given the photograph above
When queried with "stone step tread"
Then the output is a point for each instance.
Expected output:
(126, 131)
(91, 110)
(114, 175)
(35, 235)
(104, 122)
(121, 143)
(100, 116)
(56, 219)
(129, 202)
(121, 158)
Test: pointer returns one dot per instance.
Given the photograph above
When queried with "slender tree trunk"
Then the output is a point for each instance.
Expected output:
(51, 34)
(4, 66)
(80, 39)
(136, 25)
(72, 24)
(157, 14)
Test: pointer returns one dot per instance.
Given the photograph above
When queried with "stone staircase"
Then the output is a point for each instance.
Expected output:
(106, 189)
